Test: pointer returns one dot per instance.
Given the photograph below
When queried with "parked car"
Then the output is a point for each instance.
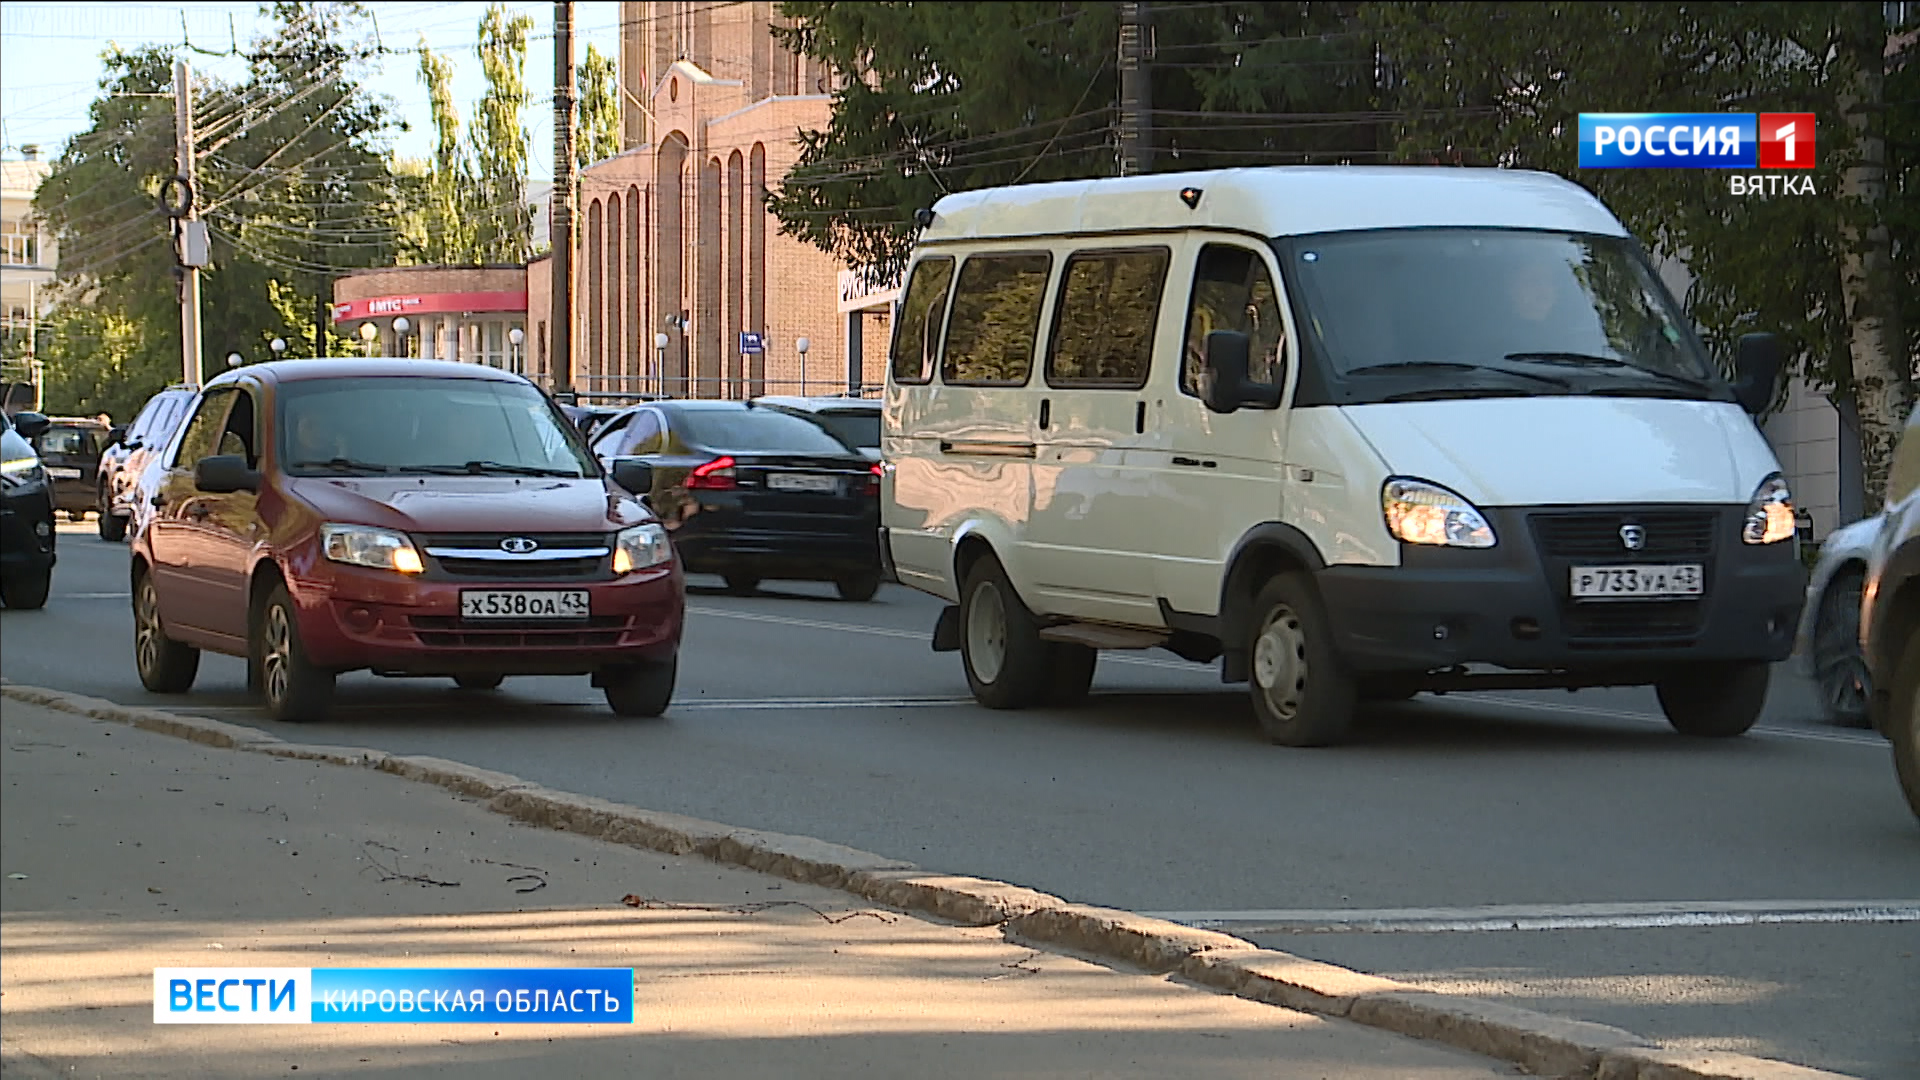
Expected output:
(853, 420)
(754, 494)
(27, 535)
(414, 517)
(589, 417)
(1890, 623)
(125, 458)
(1352, 432)
(70, 451)
(1827, 642)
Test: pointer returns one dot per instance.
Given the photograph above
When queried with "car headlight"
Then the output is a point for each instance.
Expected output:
(640, 548)
(1422, 513)
(1769, 513)
(381, 549)
(22, 470)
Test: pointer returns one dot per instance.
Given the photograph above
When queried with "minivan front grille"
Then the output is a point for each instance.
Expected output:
(1663, 534)
(1656, 624)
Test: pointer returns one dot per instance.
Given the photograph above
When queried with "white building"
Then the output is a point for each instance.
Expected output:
(28, 253)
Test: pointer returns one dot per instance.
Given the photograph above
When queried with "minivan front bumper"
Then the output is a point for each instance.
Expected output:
(1509, 606)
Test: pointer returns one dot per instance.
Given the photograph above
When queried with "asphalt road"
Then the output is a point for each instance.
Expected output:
(1756, 895)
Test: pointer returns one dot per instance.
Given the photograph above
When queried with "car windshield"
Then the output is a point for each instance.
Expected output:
(1539, 303)
(424, 425)
(855, 428)
(756, 431)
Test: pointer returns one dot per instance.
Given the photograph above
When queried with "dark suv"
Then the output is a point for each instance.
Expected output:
(26, 514)
(1890, 618)
(409, 516)
(129, 453)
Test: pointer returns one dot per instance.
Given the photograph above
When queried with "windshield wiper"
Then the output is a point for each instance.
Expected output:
(1455, 365)
(341, 464)
(481, 468)
(1579, 359)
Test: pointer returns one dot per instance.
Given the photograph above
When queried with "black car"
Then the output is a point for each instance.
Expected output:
(753, 494)
(130, 452)
(70, 451)
(26, 514)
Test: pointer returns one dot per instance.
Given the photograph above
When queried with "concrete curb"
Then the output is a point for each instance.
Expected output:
(1543, 1045)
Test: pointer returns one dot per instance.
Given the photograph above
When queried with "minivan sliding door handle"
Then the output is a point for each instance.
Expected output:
(1046, 413)
(1195, 463)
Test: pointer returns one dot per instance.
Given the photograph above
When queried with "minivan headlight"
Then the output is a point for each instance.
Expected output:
(361, 545)
(640, 548)
(1769, 513)
(1422, 513)
(21, 470)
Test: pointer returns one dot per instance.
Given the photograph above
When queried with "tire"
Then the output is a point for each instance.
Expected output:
(1006, 662)
(76, 515)
(643, 690)
(858, 589)
(293, 689)
(27, 592)
(1303, 694)
(1070, 676)
(112, 529)
(489, 681)
(742, 585)
(1839, 670)
(1714, 701)
(165, 665)
(1903, 722)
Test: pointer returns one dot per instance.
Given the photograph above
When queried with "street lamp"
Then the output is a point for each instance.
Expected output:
(400, 328)
(279, 347)
(803, 345)
(660, 343)
(234, 359)
(514, 337)
(367, 333)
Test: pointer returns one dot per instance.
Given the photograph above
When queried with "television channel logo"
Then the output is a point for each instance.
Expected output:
(1697, 141)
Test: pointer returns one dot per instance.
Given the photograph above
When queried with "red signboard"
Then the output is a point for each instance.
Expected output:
(379, 307)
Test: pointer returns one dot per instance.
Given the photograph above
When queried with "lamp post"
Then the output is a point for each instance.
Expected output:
(660, 343)
(368, 332)
(234, 359)
(279, 347)
(400, 328)
(514, 337)
(803, 345)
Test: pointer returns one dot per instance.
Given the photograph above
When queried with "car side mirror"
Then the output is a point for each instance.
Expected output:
(116, 435)
(1757, 361)
(31, 425)
(224, 474)
(633, 475)
(1229, 353)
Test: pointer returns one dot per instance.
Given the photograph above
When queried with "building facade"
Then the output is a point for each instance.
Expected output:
(679, 269)
(467, 313)
(28, 253)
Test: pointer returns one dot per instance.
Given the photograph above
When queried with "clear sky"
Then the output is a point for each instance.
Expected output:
(50, 65)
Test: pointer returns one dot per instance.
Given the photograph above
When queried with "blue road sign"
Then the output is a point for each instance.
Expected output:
(752, 343)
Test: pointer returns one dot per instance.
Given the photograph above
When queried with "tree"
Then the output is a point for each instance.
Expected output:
(445, 195)
(505, 224)
(598, 136)
(1502, 84)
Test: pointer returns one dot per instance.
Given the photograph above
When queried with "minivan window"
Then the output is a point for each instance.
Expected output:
(423, 426)
(916, 337)
(755, 431)
(66, 440)
(995, 319)
(1103, 325)
(1491, 298)
(1232, 290)
(855, 428)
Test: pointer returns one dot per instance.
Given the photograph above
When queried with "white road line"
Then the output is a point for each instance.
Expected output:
(1615, 714)
(1499, 917)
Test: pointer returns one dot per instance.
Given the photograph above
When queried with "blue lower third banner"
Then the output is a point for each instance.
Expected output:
(393, 995)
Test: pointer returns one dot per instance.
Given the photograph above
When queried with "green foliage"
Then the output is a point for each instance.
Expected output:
(598, 134)
(504, 222)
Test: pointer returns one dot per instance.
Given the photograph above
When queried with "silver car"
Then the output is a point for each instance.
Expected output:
(1828, 643)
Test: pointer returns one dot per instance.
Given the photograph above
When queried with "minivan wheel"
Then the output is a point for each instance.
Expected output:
(28, 591)
(165, 665)
(112, 529)
(1303, 694)
(1903, 722)
(1714, 701)
(1000, 642)
(489, 681)
(644, 689)
(293, 689)
(858, 588)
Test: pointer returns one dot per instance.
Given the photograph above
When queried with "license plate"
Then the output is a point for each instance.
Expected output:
(1671, 582)
(523, 604)
(63, 474)
(803, 482)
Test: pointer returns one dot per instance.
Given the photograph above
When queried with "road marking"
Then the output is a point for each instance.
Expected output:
(93, 596)
(1498, 917)
(1644, 718)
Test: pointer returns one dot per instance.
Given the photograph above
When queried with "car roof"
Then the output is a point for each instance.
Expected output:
(352, 367)
(821, 404)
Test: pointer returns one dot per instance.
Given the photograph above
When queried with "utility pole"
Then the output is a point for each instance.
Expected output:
(190, 233)
(1136, 91)
(560, 224)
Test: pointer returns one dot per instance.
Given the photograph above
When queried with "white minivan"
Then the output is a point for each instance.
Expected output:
(1355, 432)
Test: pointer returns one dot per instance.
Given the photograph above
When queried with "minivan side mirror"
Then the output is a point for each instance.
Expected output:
(1229, 353)
(116, 435)
(224, 474)
(31, 425)
(634, 475)
(1757, 360)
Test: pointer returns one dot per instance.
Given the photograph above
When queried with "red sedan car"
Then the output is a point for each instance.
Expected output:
(405, 516)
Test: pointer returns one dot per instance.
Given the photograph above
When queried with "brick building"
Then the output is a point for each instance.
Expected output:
(673, 237)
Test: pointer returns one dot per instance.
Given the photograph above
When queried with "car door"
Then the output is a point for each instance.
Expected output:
(1214, 476)
(182, 560)
(228, 526)
(1090, 539)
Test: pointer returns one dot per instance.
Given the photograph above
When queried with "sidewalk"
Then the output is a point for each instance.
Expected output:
(143, 851)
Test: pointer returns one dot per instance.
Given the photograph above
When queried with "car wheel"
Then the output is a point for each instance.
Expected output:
(1303, 694)
(742, 585)
(76, 515)
(640, 689)
(489, 681)
(1714, 701)
(112, 529)
(293, 689)
(1903, 722)
(1839, 670)
(28, 591)
(1071, 670)
(1000, 642)
(859, 588)
(165, 665)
